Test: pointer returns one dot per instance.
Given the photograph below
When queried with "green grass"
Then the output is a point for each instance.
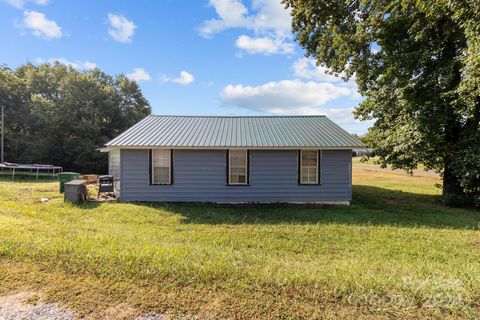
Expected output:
(394, 253)
(374, 162)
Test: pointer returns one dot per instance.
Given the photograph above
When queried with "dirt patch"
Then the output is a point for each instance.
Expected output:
(120, 311)
(152, 316)
(392, 201)
(476, 243)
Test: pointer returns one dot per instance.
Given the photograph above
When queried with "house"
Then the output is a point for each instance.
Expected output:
(360, 152)
(300, 159)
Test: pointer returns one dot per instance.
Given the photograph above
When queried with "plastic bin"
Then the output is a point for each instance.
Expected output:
(65, 177)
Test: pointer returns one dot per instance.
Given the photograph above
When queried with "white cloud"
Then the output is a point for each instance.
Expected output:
(40, 25)
(139, 74)
(293, 97)
(270, 23)
(184, 78)
(232, 14)
(77, 64)
(306, 68)
(263, 45)
(88, 65)
(121, 29)
(341, 115)
(283, 97)
(19, 4)
(270, 16)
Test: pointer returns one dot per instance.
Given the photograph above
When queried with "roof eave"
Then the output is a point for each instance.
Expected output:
(108, 148)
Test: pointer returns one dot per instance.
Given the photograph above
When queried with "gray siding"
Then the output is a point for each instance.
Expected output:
(200, 176)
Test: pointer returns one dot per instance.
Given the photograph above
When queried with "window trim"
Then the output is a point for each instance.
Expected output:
(247, 177)
(151, 169)
(318, 168)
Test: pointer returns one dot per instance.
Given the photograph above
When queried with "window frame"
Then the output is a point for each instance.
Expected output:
(318, 168)
(152, 169)
(247, 168)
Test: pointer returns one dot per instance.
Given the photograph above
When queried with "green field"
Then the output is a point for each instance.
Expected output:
(374, 162)
(395, 253)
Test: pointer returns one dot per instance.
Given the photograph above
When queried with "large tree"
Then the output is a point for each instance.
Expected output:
(56, 114)
(417, 63)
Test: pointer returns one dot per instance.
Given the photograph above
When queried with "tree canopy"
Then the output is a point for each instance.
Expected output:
(57, 115)
(417, 63)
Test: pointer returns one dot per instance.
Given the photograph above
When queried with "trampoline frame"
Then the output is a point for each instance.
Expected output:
(32, 168)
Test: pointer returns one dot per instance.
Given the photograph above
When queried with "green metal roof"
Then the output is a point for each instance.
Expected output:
(235, 132)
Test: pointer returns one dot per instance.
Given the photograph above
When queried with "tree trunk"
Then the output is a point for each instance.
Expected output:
(451, 183)
(453, 126)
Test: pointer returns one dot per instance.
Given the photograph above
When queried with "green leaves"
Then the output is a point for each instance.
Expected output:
(58, 115)
(417, 63)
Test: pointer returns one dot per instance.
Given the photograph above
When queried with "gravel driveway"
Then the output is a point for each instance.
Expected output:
(16, 306)
(23, 305)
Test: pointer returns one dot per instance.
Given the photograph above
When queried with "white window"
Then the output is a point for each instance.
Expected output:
(238, 167)
(161, 166)
(309, 166)
(114, 163)
(114, 168)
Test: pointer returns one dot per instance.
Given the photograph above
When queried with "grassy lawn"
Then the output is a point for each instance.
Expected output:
(394, 253)
(374, 162)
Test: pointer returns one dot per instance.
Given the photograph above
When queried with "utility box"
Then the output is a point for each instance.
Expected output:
(75, 191)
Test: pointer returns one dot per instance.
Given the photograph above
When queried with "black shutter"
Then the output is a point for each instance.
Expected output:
(150, 173)
(171, 166)
(248, 168)
(299, 167)
(227, 172)
(319, 164)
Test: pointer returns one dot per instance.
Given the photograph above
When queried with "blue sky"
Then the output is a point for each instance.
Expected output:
(202, 57)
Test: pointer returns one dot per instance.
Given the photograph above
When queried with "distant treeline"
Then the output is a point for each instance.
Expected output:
(57, 115)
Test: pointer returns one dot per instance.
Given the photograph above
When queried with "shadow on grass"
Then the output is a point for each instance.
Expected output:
(370, 206)
(86, 205)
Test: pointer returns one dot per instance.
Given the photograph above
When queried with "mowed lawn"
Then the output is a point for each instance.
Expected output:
(395, 253)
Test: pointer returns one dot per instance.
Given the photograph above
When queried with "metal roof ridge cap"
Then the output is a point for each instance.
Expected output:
(226, 116)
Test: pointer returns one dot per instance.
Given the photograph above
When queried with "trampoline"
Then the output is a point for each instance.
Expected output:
(33, 168)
